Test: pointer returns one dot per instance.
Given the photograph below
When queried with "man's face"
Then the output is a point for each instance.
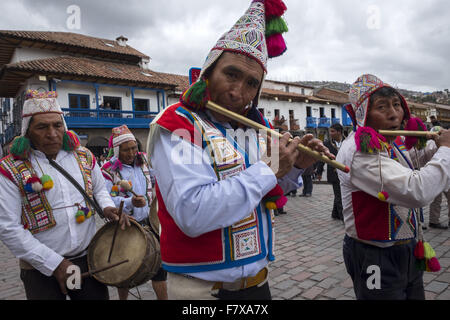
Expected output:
(335, 135)
(385, 113)
(234, 82)
(127, 152)
(46, 133)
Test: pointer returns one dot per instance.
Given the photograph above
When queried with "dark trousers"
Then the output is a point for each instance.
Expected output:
(307, 184)
(337, 205)
(40, 287)
(253, 293)
(399, 278)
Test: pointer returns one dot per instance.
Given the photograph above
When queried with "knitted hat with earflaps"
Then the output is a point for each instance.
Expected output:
(257, 34)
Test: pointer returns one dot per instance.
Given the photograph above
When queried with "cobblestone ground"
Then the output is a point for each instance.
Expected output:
(309, 263)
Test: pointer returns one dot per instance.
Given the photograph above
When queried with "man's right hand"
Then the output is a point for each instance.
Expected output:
(61, 275)
(443, 140)
(139, 201)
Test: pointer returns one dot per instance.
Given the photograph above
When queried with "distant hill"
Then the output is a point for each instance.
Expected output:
(442, 97)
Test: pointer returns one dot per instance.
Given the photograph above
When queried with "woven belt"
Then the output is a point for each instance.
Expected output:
(243, 283)
(402, 242)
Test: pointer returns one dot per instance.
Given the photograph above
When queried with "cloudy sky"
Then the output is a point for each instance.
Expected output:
(404, 42)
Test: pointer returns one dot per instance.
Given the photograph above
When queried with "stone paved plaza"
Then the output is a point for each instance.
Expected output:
(309, 263)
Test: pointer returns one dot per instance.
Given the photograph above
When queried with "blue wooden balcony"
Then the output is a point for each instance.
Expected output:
(324, 122)
(311, 122)
(335, 120)
(100, 118)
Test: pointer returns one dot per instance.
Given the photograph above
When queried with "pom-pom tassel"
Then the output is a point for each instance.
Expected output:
(433, 265)
(383, 195)
(415, 124)
(47, 182)
(21, 148)
(275, 45)
(197, 95)
(277, 25)
(79, 216)
(419, 251)
(70, 141)
(33, 184)
(274, 8)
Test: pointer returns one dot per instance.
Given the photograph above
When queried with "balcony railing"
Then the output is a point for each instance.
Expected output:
(101, 118)
(335, 120)
(311, 122)
(324, 122)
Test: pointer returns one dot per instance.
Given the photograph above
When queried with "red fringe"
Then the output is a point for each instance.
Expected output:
(274, 8)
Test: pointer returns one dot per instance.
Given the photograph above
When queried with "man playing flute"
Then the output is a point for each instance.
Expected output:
(215, 204)
(384, 250)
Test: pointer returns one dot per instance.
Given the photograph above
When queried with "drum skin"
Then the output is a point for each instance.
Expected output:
(135, 243)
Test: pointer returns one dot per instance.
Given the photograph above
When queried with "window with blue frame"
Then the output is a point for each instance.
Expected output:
(79, 101)
(142, 106)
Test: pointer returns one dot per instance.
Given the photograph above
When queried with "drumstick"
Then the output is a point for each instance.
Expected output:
(237, 117)
(115, 230)
(406, 133)
(90, 273)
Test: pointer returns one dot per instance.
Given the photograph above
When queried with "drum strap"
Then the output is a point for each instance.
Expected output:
(91, 201)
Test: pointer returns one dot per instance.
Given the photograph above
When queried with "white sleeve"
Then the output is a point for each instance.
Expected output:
(194, 197)
(20, 241)
(405, 187)
(291, 181)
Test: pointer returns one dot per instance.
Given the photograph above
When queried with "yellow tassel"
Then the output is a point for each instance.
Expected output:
(428, 251)
(271, 205)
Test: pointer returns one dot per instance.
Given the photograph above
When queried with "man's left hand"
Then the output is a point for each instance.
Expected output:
(112, 214)
(303, 160)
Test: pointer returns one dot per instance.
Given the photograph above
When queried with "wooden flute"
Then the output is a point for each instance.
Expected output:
(237, 117)
(406, 133)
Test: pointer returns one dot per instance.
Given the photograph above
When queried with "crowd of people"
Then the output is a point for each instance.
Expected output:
(216, 205)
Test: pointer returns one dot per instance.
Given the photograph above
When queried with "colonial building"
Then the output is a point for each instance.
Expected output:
(100, 83)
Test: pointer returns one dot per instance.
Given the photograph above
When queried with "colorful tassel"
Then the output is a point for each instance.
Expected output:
(275, 45)
(79, 216)
(428, 251)
(70, 141)
(21, 148)
(415, 124)
(383, 195)
(196, 95)
(433, 265)
(419, 251)
(277, 25)
(47, 182)
(274, 8)
(368, 140)
(33, 184)
(271, 205)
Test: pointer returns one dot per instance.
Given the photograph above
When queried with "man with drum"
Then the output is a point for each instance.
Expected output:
(129, 166)
(214, 205)
(45, 221)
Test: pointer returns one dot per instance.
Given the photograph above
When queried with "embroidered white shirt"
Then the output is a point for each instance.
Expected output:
(45, 250)
(193, 188)
(139, 185)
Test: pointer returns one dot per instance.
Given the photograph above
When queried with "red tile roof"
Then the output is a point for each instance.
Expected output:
(333, 95)
(92, 69)
(70, 40)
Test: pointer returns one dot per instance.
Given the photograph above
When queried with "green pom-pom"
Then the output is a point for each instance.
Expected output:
(195, 96)
(277, 25)
(47, 182)
(70, 141)
(21, 147)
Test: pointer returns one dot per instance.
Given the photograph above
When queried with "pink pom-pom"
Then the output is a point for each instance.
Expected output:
(275, 45)
(434, 264)
(280, 203)
(274, 8)
(413, 124)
